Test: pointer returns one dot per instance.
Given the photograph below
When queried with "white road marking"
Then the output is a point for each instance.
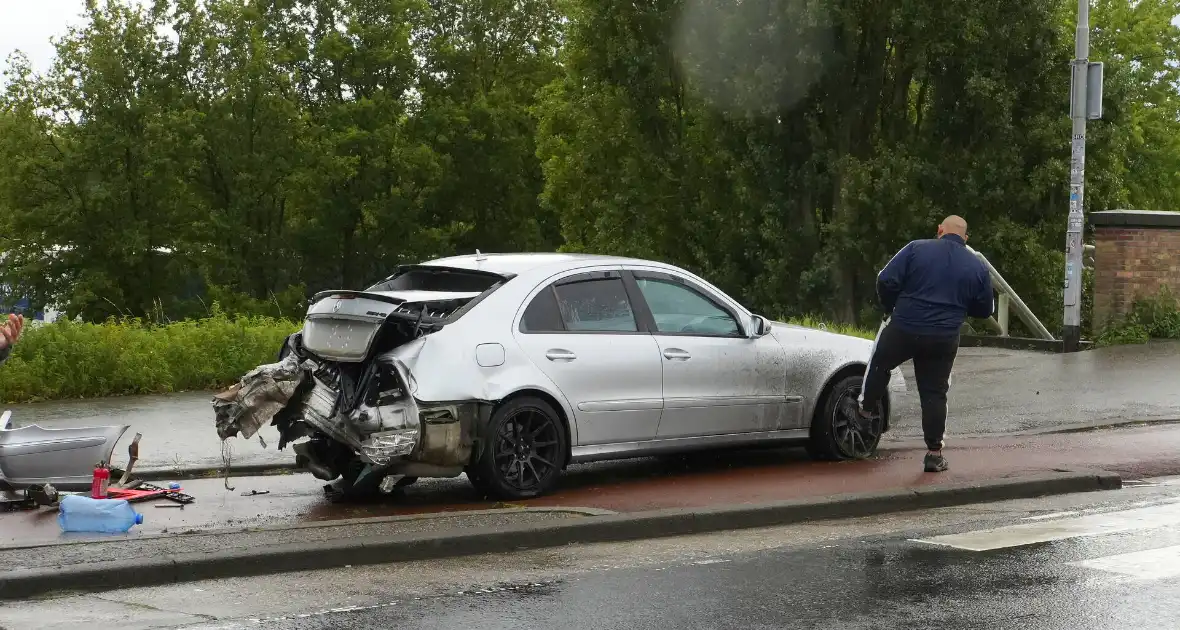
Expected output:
(1061, 529)
(1152, 482)
(1043, 517)
(1153, 564)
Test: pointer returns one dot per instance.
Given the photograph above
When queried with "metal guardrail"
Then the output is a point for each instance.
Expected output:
(1008, 300)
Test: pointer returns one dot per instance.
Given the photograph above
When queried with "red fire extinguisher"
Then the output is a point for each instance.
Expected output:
(100, 482)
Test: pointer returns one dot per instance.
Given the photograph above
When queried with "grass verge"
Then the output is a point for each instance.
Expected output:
(841, 329)
(77, 360)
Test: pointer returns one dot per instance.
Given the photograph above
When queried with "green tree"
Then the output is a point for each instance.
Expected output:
(99, 211)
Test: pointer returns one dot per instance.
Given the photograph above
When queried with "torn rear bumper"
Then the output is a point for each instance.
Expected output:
(386, 427)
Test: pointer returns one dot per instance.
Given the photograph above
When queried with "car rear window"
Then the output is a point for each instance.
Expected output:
(419, 279)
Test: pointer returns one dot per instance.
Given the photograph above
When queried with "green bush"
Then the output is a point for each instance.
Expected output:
(81, 360)
(1156, 317)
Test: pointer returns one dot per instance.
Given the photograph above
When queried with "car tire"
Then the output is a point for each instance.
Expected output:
(832, 432)
(523, 451)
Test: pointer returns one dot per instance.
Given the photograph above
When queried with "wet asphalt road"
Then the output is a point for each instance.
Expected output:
(993, 392)
(882, 582)
(888, 583)
(1051, 563)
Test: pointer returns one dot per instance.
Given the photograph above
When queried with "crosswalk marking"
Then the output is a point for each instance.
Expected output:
(1152, 564)
(1049, 530)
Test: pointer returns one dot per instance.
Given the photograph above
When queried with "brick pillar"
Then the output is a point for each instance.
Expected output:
(1136, 253)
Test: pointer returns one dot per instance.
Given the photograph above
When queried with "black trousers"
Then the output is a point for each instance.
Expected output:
(933, 357)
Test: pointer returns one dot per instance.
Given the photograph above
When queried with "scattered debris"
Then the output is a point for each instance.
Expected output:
(147, 492)
(13, 501)
(33, 455)
(257, 397)
(255, 493)
(227, 454)
(43, 494)
(132, 457)
(40, 495)
(170, 505)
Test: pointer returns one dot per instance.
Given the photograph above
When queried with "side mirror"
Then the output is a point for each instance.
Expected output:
(760, 327)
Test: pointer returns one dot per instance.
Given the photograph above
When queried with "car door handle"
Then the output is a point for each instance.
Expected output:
(560, 355)
(676, 353)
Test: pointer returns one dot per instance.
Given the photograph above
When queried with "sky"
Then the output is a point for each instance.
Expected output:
(27, 25)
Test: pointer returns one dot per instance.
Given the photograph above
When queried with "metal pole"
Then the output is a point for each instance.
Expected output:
(1002, 314)
(1072, 332)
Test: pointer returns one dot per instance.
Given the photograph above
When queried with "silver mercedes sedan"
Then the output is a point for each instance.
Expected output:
(510, 367)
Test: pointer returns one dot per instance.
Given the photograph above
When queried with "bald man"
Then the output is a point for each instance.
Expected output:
(928, 289)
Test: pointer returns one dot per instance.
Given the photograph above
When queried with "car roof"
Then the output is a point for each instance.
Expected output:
(517, 264)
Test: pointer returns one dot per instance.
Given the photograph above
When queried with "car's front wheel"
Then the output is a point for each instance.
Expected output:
(838, 431)
(523, 451)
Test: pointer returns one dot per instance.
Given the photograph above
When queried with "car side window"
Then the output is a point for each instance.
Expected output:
(542, 314)
(593, 305)
(599, 305)
(678, 308)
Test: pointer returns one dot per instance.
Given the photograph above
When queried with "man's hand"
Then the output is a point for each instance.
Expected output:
(10, 331)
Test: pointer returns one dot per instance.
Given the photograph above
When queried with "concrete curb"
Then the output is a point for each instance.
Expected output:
(1027, 344)
(901, 444)
(185, 567)
(910, 443)
(1099, 426)
(344, 522)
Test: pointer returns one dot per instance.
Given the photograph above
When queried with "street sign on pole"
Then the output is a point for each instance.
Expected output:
(1085, 103)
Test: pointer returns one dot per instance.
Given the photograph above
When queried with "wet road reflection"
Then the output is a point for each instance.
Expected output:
(888, 582)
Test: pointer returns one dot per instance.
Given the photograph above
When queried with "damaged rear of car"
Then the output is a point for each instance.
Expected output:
(343, 383)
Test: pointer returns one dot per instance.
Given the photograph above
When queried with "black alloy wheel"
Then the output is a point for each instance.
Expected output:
(523, 453)
(838, 431)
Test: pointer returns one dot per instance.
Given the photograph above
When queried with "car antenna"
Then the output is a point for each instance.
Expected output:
(480, 255)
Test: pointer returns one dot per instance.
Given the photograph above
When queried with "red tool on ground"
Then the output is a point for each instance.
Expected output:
(147, 492)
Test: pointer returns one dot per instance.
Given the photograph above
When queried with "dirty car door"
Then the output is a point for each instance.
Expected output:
(581, 331)
(717, 379)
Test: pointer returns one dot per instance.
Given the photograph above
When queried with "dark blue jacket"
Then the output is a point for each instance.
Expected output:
(932, 285)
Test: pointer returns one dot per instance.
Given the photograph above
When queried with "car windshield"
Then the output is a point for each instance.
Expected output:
(440, 279)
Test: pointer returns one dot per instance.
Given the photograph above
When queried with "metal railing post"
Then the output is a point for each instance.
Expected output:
(1002, 314)
(1022, 310)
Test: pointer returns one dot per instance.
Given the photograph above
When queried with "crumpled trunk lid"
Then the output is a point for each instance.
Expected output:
(342, 326)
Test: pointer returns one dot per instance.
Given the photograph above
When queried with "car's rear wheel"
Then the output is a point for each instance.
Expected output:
(523, 453)
(838, 432)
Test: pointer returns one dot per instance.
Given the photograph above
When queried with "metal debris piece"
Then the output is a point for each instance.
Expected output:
(227, 454)
(257, 397)
(43, 494)
(132, 457)
(255, 492)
